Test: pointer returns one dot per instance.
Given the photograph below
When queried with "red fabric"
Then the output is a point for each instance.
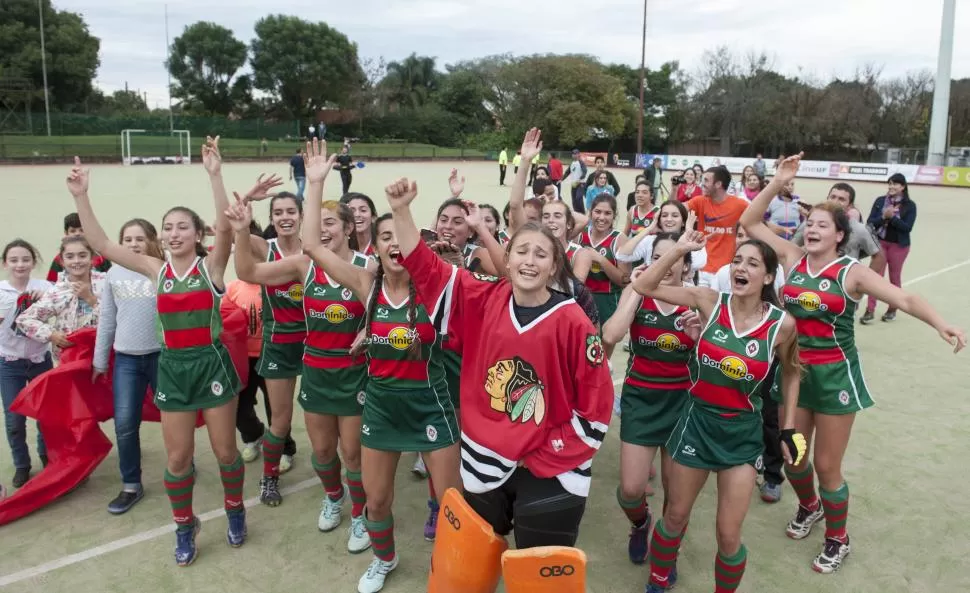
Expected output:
(69, 408)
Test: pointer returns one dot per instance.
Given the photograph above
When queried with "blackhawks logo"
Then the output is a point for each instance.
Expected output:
(515, 390)
(594, 350)
(484, 277)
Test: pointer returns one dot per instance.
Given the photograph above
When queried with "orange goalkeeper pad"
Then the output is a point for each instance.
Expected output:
(547, 569)
(467, 552)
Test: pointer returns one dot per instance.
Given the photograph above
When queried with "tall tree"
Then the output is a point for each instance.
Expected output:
(411, 82)
(72, 52)
(204, 62)
(304, 65)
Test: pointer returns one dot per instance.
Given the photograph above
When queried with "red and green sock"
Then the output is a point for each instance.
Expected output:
(272, 451)
(664, 548)
(329, 474)
(728, 570)
(803, 483)
(381, 537)
(179, 490)
(357, 497)
(233, 476)
(835, 506)
(636, 510)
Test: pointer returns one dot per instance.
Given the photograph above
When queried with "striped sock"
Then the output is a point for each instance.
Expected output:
(636, 510)
(664, 548)
(803, 483)
(233, 476)
(329, 474)
(728, 570)
(357, 497)
(835, 505)
(381, 537)
(179, 490)
(272, 451)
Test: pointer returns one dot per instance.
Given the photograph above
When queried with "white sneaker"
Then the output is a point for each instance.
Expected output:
(359, 538)
(373, 579)
(332, 513)
(419, 469)
(250, 452)
(286, 463)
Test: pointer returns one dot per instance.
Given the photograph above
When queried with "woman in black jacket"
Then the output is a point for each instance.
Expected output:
(892, 219)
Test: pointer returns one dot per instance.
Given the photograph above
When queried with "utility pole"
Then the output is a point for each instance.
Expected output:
(936, 155)
(643, 75)
(168, 49)
(43, 65)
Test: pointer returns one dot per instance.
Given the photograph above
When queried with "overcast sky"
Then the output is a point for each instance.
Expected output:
(823, 38)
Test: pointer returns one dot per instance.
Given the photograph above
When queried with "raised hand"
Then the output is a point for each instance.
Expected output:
(318, 164)
(635, 272)
(691, 223)
(788, 168)
(401, 193)
(456, 185)
(474, 218)
(692, 240)
(531, 145)
(240, 215)
(77, 180)
(261, 190)
(211, 157)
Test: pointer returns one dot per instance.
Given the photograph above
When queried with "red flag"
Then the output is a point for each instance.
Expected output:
(69, 407)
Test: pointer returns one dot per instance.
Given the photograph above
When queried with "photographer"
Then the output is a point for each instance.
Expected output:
(686, 184)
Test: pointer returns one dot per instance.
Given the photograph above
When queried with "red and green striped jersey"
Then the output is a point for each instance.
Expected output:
(728, 368)
(369, 250)
(390, 336)
(659, 348)
(504, 237)
(188, 307)
(571, 250)
(639, 222)
(824, 313)
(334, 316)
(98, 263)
(597, 281)
(283, 318)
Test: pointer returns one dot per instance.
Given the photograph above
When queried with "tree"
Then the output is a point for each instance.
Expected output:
(410, 83)
(303, 65)
(466, 94)
(121, 102)
(204, 61)
(72, 52)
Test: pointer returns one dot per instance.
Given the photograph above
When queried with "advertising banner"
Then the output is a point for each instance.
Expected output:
(624, 160)
(929, 175)
(590, 157)
(645, 160)
(956, 176)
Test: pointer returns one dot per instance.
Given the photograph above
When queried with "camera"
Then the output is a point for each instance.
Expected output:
(677, 180)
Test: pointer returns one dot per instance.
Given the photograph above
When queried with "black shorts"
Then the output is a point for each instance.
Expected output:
(540, 510)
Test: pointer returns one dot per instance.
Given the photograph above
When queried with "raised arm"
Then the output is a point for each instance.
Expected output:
(754, 215)
(218, 258)
(648, 283)
(77, 184)
(318, 166)
(495, 251)
(628, 251)
(258, 193)
(288, 269)
(531, 146)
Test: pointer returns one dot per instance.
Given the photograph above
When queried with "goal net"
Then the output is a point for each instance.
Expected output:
(139, 147)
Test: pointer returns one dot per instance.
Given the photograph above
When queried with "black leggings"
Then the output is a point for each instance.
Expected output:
(540, 510)
(247, 422)
(772, 458)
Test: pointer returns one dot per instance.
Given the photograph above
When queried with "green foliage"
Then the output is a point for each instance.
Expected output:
(72, 52)
(410, 83)
(302, 65)
(204, 61)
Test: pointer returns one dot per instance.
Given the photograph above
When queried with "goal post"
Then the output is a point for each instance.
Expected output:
(173, 148)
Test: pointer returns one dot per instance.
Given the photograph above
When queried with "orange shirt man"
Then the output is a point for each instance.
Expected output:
(717, 217)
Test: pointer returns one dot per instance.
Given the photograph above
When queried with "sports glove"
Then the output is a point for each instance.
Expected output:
(795, 441)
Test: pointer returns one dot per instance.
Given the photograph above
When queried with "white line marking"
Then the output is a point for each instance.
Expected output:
(937, 273)
(144, 536)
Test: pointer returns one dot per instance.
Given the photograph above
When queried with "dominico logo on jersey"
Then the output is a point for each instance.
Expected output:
(516, 390)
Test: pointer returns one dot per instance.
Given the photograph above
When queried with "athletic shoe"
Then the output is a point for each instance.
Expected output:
(866, 318)
(20, 477)
(373, 579)
(431, 525)
(286, 463)
(359, 538)
(637, 547)
(331, 513)
(770, 492)
(801, 526)
(833, 554)
(236, 532)
(125, 500)
(185, 550)
(250, 452)
(419, 469)
(671, 582)
(269, 491)
(889, 316)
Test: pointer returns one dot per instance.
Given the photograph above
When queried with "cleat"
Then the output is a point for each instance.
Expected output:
(770, 493)
(269, 491)
(373, 579)
(331, 513)
(866, 318)
(801, 526)
(250, 452)
(833, 554)
(638, 546)
(889, 316)
(359, 538)
(286, 463)
(185, 549)
(236, 532)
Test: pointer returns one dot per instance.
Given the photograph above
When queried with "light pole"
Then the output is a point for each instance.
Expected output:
(168, 56)
(936, 155)
(643, 75)
(43, 65)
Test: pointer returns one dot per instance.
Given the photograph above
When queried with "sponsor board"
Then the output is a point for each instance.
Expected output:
(956, 176)
(590, 157)
(645, 160)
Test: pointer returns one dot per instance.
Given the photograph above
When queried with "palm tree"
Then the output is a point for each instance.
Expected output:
(411, 82)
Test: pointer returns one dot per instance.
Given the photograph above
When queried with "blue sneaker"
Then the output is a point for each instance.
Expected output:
(671, 582)
(185, 550)
(639, 543)
(236, 533)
